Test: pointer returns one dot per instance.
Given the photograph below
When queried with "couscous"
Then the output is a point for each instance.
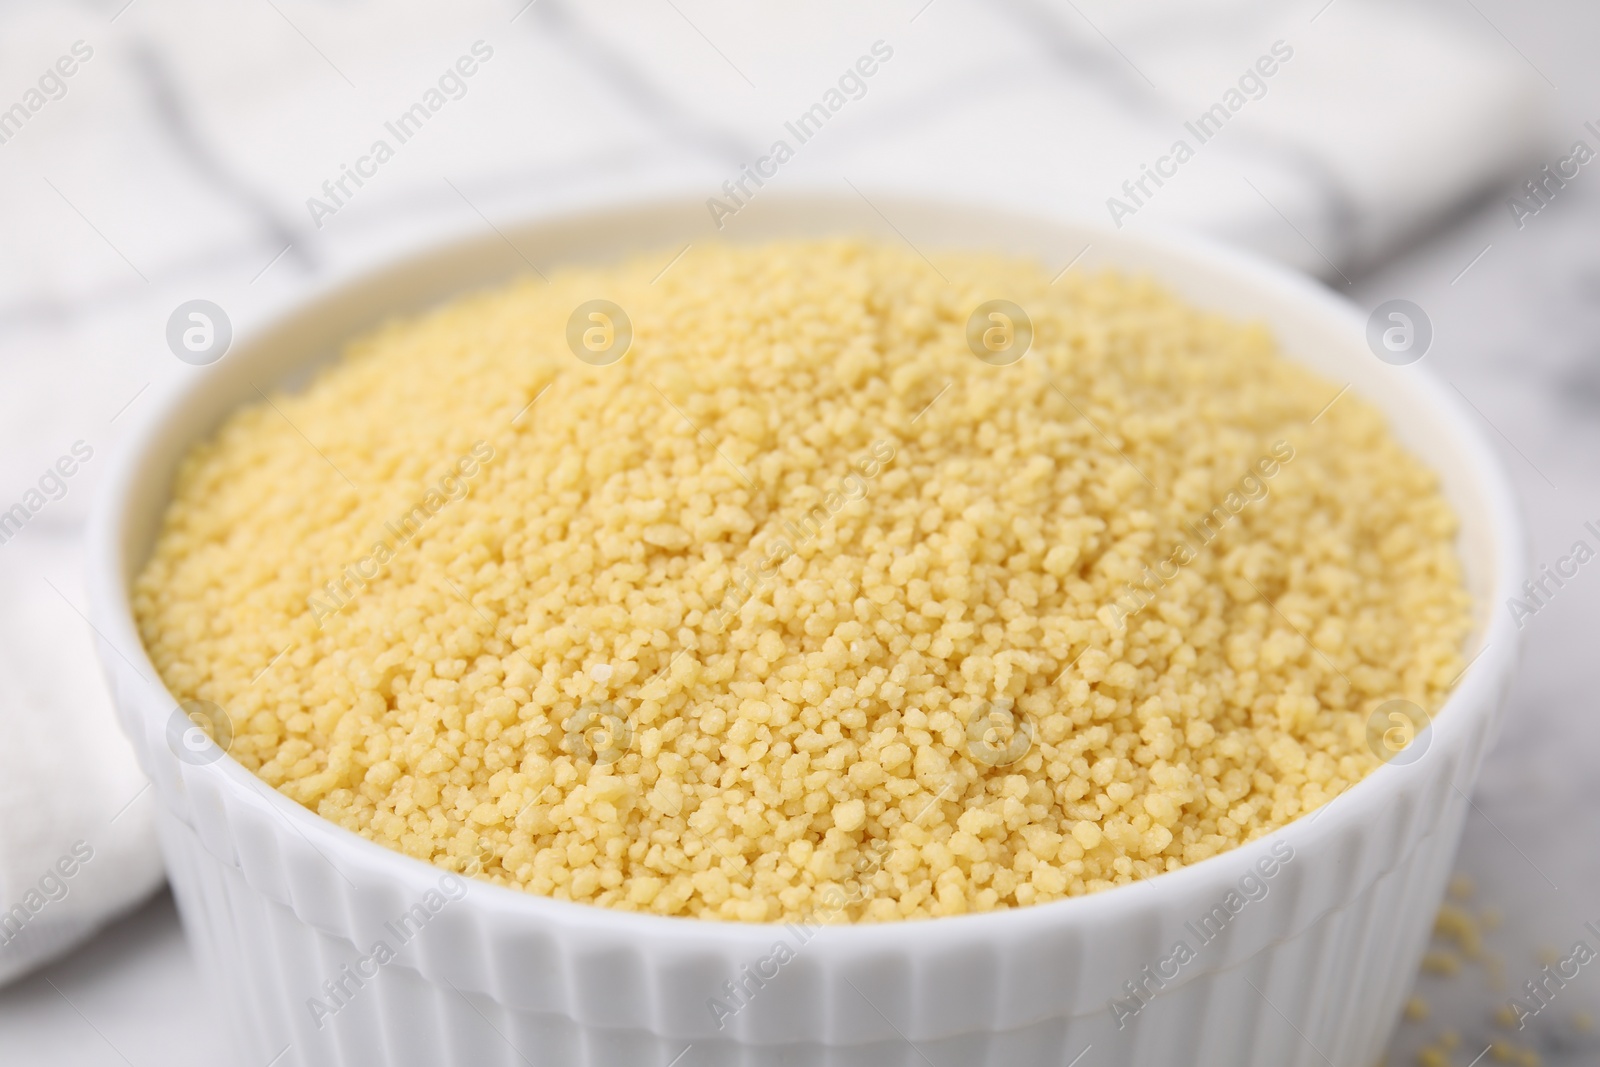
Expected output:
(794, 603)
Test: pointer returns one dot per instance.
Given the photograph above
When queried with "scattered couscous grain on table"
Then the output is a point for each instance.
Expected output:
(800, 608)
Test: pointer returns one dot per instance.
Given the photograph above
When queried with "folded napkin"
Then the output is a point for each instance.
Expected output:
(76, 815)
(188, 151)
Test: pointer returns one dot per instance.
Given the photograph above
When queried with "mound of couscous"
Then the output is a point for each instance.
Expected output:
(778, 587)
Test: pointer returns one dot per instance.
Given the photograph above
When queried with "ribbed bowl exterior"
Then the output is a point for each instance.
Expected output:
(1308, 965)
(1312, 973)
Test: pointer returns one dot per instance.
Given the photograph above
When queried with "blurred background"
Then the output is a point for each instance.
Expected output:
(157, 152)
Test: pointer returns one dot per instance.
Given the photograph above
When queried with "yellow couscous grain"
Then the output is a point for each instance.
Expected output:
(1456, 924)
(1433, 1056)
(1441, 963)
(801, 609)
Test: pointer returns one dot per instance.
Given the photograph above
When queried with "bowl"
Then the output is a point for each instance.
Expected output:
(326, 949)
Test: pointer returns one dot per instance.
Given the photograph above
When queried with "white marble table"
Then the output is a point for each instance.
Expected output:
(1516, 313)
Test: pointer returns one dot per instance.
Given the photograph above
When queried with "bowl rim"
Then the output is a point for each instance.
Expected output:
(1468, 708)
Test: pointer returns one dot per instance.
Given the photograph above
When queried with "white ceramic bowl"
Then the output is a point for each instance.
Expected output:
(277, 901)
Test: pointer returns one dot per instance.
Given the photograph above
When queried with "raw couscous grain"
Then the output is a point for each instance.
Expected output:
(801, 603)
